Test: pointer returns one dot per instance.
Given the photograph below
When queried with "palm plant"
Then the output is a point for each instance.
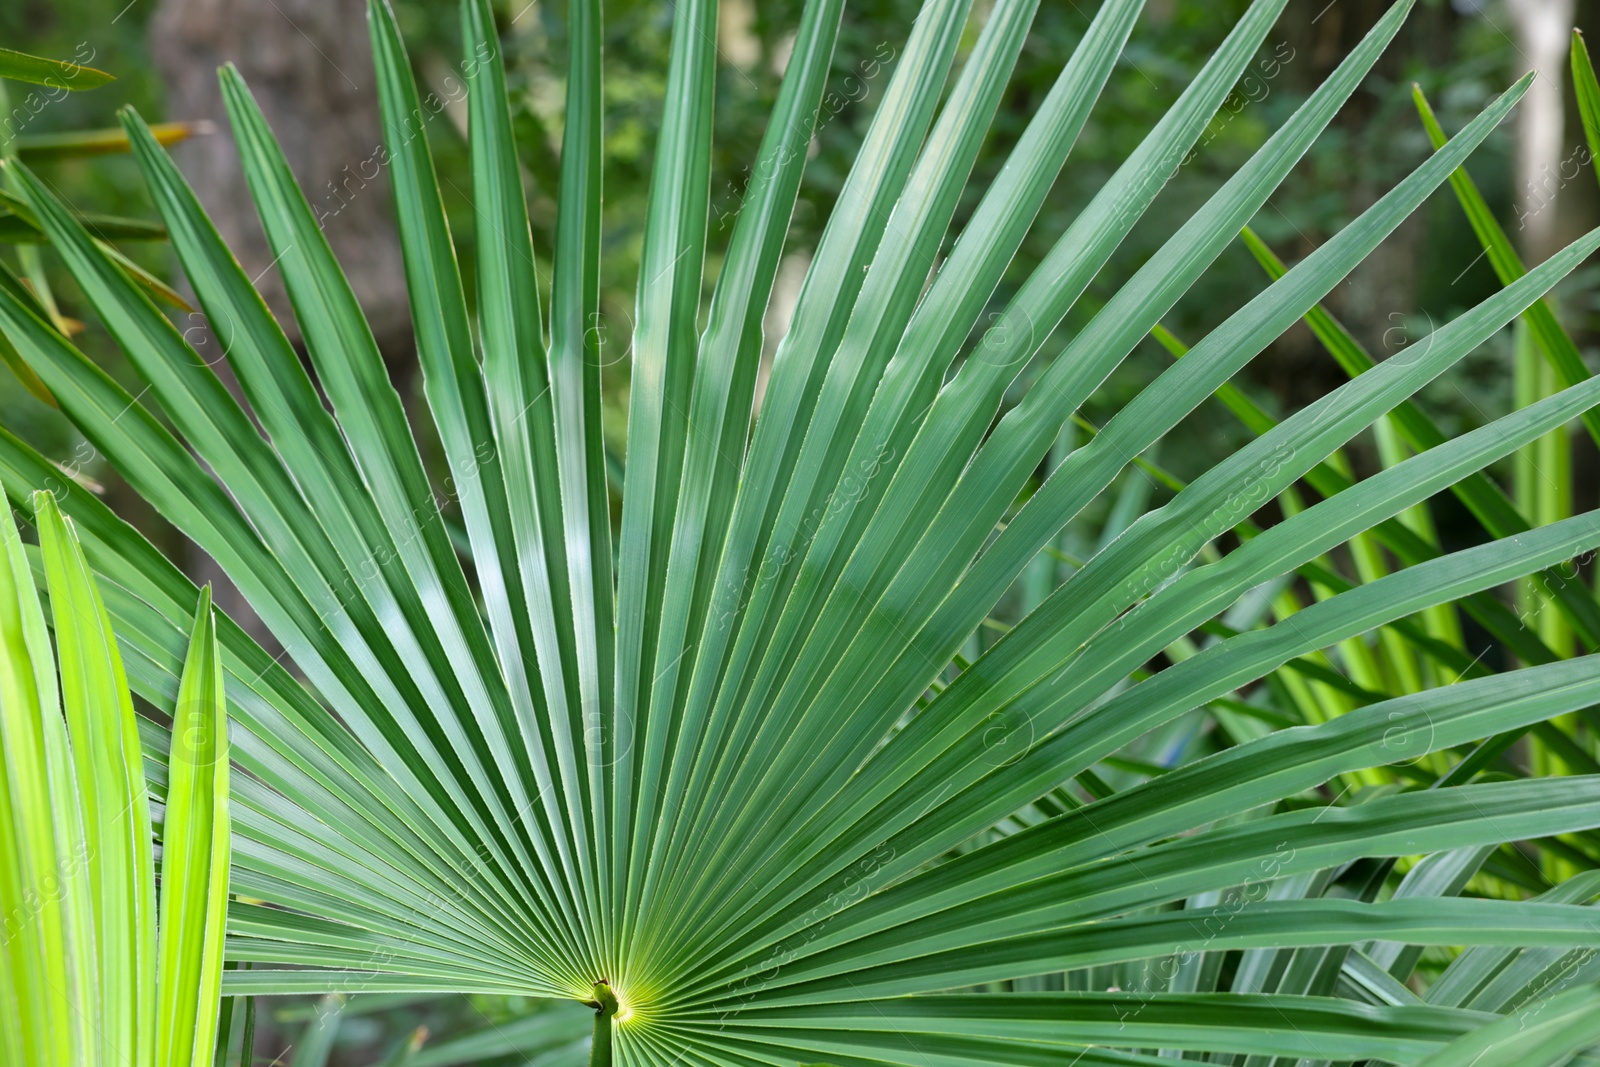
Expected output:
(727, 773)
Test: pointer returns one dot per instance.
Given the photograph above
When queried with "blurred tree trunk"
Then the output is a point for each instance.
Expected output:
(1543, 478)
(308, 63)
(1383, 290)
(1543, 32)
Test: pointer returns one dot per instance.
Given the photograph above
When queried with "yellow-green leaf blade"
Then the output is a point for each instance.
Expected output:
(195, 856)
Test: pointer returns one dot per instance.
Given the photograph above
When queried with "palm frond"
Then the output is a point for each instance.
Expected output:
(736, 773)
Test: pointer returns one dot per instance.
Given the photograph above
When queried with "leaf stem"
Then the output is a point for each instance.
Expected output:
(605, 1006)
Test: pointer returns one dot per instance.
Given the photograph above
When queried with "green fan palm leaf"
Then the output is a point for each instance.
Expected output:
(736, 762)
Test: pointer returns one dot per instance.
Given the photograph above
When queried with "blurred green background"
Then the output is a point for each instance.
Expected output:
(309, 63)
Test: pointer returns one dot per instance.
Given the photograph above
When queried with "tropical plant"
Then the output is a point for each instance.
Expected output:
(87, 973)
(736, 773)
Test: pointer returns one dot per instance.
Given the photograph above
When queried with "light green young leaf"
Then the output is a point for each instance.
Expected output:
(195, 856)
